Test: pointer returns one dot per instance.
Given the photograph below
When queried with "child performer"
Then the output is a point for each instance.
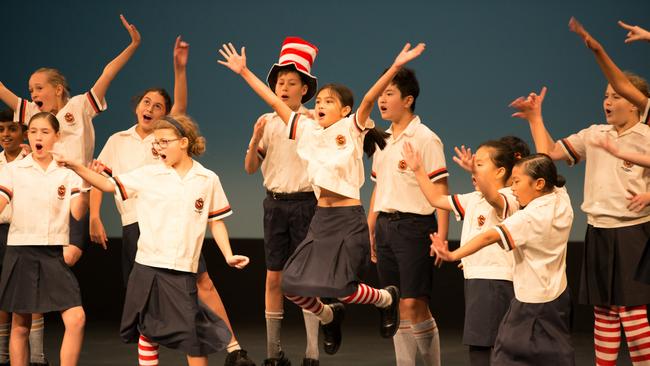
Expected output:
(535, 329)
(180, 193)
(328, 262)
(400, 219)
(35, 279)
(290, 202)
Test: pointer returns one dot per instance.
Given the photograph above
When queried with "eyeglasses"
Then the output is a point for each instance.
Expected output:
(162, 143)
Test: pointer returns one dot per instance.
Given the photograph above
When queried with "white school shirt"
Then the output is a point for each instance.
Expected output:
(172, 212)
(282, 168)
(608, 178)
(40, 201)
(537, 235)
(334, 155)
(478, 216)
(397, 188)
(76, 123)
(5, 215)
(125, 151)
(645, 117)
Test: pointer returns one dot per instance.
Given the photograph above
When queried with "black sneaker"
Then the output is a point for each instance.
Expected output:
(310, 362)
(238, 358)
(389, 316)
(279, 361)
(332, 330)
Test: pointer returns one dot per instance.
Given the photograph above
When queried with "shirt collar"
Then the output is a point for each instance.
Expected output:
(409, 130)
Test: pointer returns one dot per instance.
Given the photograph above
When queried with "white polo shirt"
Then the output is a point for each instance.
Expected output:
(125, 151)
(40, 201)
(538, 236)
(5, 216)
(76, 123)
(608, 178)
(396, 186)
(172, 212)
(282, 168)
(334, 155)
(478, 216)
(645, 117)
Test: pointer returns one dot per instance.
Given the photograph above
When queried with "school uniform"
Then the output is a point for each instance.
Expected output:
(125, 151)
(35, 279)
(77, 141)
(616, 236)
(290, 202)
(488, 272)
(5, 215)
(536, 328)
(331, 258)
(172, 214)
(405, 217)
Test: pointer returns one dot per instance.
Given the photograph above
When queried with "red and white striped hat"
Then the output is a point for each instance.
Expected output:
(298, 54)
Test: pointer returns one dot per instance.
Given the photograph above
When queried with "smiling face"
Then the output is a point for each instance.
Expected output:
(47, 96)
(392, 105)
(151, 108)
(11, 136)
(42, 136)
(171, 148)
(618, 110)
(290, 89)
(329, 108)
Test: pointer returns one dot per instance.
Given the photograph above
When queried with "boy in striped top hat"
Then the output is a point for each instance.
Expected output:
(290, 200)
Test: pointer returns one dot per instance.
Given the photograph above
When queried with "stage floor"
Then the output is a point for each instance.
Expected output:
(361, 346)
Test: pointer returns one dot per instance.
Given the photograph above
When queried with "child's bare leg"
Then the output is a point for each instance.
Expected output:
(197, 361)
(74, 320)
(19, 339)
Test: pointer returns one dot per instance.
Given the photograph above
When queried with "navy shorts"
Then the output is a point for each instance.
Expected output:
(79, 232)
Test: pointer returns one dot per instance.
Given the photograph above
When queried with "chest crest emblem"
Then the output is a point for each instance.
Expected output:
(69, 118)
(198, 205)
(340, 140)
(61, 192)
(481, 220)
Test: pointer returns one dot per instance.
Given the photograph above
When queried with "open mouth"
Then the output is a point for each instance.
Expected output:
(147, 118)
(284, 97)
(321, 114)
(383, 109)
(39, 147)
(162, 156)
(39, 103)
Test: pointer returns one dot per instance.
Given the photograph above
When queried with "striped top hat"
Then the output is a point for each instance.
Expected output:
(298, 55)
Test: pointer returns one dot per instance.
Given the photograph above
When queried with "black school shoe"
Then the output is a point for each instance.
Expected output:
(389, 316)
(280, 361)
(310, 362)
(332, 330)
(238, 358)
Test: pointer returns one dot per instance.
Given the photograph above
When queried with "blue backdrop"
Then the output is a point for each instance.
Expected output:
(480, 55)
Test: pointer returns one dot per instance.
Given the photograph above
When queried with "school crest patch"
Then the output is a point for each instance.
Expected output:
(401, 165)
(481, 220)
(627, 164)
(69, 118)
(340, 140)
(198, 205)
(61, 191)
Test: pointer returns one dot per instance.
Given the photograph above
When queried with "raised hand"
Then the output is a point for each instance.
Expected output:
(237, 261)
(133, 31)
(529, 107)
(464, 158)
(181, 53)
(258, 129)
(577, 28)
(411, 157)
(607, 144)
(634, 33)
(407, 54)
(440, 248)
(233, 60)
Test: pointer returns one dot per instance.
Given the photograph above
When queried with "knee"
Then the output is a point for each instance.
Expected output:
(19, 331)
(75, 319)
(71, 255)
(204, 283)
(414, 308)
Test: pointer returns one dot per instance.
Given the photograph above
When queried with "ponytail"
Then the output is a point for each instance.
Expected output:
(374, 138)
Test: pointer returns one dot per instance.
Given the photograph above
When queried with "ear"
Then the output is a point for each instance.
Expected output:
(304, 90)
(408, 101)
(540, 184)
(501, 172)
(346, 111)
(59, 90)
(184, 143)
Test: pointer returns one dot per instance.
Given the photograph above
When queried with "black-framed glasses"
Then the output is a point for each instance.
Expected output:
(163, 143)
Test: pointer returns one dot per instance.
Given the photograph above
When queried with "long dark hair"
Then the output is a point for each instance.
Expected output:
(541, 166)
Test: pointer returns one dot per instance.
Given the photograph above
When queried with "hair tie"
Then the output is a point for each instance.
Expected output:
(176, 125)
(517, 155)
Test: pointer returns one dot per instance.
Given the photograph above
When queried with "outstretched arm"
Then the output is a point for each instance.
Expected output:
(406, 55)
(8, 97)
(89, 175)
(610, 146)
(220, 234)
(619, 82)
(478, 242)
(113, 67)
(635, 33)
(237, 63)
(181, 53)
(435, 193)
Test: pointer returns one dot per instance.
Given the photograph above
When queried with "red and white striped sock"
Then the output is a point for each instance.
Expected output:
(368, 295)
(607, 335)
(147, 352)
(313, 305)
(637, 333)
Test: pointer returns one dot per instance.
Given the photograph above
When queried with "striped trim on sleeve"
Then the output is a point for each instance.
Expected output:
(120, 188)
(574, 157)
(506, 242)
(220, 214)
(7, 193)
(459, 211)
(293, 125)
(438, 174)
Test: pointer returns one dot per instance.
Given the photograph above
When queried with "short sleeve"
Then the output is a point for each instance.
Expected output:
(128, 185)
(574, 146)
(297, 125)
(6, 184)
(359, 127)
(433, 160)
(458, 203)
(645, 117)
(92, 106)
(107, 156)
(514, 230)
(24, 111)
(219, 206)
(510, 205)
(75, 185)
(373, 170)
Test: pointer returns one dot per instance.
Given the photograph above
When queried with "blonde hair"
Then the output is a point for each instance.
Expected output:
(55, 77)
(638, 82)
(189, 129)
